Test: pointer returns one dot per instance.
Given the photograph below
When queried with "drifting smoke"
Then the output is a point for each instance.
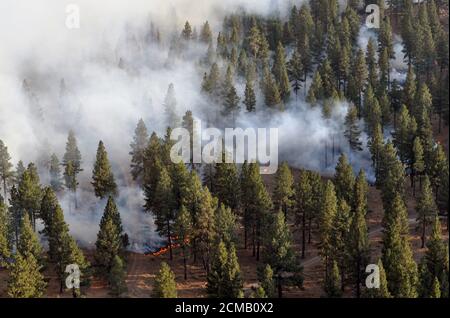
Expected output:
(99, 80)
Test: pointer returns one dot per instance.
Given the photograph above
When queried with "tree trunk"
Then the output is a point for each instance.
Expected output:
(184, 263)
(280, 287)
(253, 241)
(169, 238)
(303, 233)
(309, 229)
(358, 279)
(423, 233)
(4, 188)
(245, 235)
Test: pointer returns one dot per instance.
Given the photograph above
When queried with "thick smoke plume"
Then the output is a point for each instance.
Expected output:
(99, 80)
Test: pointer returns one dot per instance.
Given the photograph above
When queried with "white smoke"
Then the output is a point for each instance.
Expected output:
(100, 79)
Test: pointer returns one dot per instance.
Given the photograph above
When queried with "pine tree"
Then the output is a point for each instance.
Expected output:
(259, 206)
(333, 282)
(224, 279)
(72, 165)
(383, 291)
(358, 237)
(28, 244)
(138, 146)
(117, 276)
(183, 228)
(72, 153)
(272, 96)
(70, 179)
(284, 189)
(206, 33)
(265, 276)
(204, 233)
(303, 205)
(426, 209)
(170, 107)
(152, 168)
(404, 135)
(231, 103)
(435, 289)
(436, 258)
(109, 238)
(418, 163)
(186, 34)
(55, 174)
(327, 216)
(344, 179)
(352, 131)
(279, 253)
(409, 89)
(359, 77)
(26, 280)
(20, 169)
(280, 72)
(437, 167)
(250, 97)
(397, 257)
(391, 178)
(295, 72)
(164, 207)
(376, 145)
(102, 175)
(6, 173)
(165, 285)
(315, 92)
(64, 249)
(5, 235)
(371, 63)
(225, 225)
(340, 237)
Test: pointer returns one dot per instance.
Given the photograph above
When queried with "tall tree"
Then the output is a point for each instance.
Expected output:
(344, 179)
(30, 193)
(26, 280)
(55, 174)
(165, 285)
(383, 291)
(327, 217)
(224, 278)
(284, 189)
(279, 254)
(110, 238)
(6, 172)
(397, 256)
(102, 175)
(352, 131)
(117, 277)
(204, 233)
(164, 208)
(138, 146)
(280, 72)
(358, 237)
(72, 163)
(436, 258)
(170, 107)
(426, 209)
(183, 229)
(5, 235)
(249, 96)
